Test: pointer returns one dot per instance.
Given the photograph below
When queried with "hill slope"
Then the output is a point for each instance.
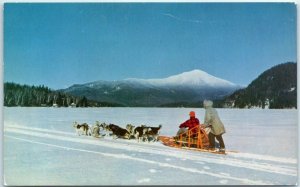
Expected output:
(274, 88)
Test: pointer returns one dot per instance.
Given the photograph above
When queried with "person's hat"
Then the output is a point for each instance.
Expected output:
(192, 114)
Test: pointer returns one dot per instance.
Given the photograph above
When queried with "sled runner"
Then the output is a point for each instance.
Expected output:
(194, 139)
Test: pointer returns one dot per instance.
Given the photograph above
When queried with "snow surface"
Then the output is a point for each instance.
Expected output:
(41, 148)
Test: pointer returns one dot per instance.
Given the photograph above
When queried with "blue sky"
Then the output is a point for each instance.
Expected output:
(60, 44)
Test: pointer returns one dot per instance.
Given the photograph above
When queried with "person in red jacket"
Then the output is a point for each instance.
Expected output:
(188, 124)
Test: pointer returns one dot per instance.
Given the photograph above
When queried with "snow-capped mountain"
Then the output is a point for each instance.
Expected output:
(195, 78)
(192, 86)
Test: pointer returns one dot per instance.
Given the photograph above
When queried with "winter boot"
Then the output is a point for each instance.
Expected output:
(222, 150)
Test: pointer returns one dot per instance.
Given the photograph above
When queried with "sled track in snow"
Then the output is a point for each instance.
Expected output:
(273, 165)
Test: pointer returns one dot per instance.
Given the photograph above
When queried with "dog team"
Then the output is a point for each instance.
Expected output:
(140, 133)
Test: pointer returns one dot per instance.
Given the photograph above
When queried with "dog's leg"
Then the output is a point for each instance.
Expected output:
(137, 136)
(90, 131)
(80, 132)
(155, 138)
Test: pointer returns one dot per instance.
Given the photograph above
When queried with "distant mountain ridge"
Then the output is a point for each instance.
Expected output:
(192, 86)
(274, 88)
(195, 78)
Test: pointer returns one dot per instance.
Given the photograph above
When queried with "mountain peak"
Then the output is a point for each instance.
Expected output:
(193, 74)
(195, 71)
(193, 78)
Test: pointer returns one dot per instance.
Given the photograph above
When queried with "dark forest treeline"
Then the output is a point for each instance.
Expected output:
(274, 88)
(24, 95)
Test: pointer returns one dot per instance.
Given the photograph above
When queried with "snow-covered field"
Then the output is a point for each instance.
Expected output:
(41, 148)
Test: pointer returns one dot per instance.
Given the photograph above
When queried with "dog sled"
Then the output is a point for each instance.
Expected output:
(194, 139)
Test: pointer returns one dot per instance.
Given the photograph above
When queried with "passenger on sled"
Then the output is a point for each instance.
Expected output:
(187, 125)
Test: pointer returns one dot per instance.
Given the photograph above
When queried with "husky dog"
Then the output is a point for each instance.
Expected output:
(118, 132)
(130, 129)
(138, 132)
(82, 129)
(103, 126)
(95, 130)
(146, 133)
(151, 133)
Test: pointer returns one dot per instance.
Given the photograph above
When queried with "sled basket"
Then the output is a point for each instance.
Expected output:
(195, 137)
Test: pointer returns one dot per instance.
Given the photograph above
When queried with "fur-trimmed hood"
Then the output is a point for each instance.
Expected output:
(207, 103)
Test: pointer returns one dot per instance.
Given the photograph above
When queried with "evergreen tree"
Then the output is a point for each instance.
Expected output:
(277, 85)
(24, 95)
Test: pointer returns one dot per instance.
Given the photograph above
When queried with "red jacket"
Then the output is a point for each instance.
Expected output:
(192, 122)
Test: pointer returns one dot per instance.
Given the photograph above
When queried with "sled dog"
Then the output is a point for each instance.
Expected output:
(118, 132)
(151, 133)
(82, 129)
(95, 130)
